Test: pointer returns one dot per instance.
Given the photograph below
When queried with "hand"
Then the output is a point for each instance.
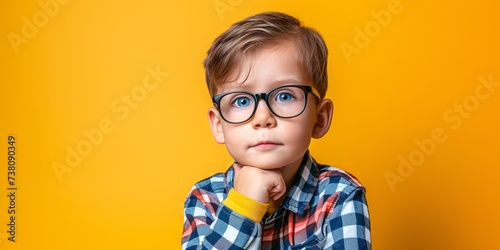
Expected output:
(258, 184)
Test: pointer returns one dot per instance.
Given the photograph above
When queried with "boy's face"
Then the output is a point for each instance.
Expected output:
(267, 141)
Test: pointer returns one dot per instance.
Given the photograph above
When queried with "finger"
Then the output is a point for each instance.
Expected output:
(276, 196)
(278, 187)
(237, 167)
(277, 190)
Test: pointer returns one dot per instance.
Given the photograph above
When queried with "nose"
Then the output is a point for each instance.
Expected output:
(263, 117)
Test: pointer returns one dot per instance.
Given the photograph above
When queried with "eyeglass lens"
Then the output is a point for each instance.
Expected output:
(285, 102)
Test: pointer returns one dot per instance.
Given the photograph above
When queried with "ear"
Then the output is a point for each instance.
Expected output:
(323, 118)
(215, 124)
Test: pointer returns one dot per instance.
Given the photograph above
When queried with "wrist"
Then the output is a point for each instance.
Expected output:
(251, 192)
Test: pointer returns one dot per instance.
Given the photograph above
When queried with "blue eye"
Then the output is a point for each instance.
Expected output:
(284, 97)
(242, 102)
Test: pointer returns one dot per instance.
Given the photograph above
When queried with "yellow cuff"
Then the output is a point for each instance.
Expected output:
(245, 206)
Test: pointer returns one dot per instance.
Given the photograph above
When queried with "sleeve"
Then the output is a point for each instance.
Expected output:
(208, 224)
(349, 224)
(245, 206)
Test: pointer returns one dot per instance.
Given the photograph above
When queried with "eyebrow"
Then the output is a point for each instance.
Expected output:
(291, 80)
(272, 84)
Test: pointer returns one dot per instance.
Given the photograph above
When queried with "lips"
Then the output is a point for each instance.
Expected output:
(265, 145)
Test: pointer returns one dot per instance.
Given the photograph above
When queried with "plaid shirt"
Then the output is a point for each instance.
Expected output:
(325, 209)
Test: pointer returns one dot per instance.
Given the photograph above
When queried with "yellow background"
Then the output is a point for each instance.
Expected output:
(400, 85)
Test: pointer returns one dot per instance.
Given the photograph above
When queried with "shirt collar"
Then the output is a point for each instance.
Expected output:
(301, 192)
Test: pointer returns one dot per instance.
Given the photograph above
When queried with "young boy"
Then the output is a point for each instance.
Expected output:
(267, 76)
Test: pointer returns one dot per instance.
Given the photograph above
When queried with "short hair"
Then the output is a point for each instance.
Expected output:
(246, 36)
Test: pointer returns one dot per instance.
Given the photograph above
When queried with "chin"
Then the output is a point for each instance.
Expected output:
(274, 159)
(267, 166)
(266, 163)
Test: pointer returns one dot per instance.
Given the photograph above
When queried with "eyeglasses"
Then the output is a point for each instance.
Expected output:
(285, 102)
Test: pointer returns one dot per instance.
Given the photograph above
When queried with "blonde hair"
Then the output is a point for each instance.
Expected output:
(248, 35)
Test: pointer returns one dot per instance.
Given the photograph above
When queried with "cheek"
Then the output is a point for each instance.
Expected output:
(298, 132)
(234, 136)
(307, 121)
(236, 143)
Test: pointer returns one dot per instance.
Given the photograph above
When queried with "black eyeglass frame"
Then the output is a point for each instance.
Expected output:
(265, 96)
